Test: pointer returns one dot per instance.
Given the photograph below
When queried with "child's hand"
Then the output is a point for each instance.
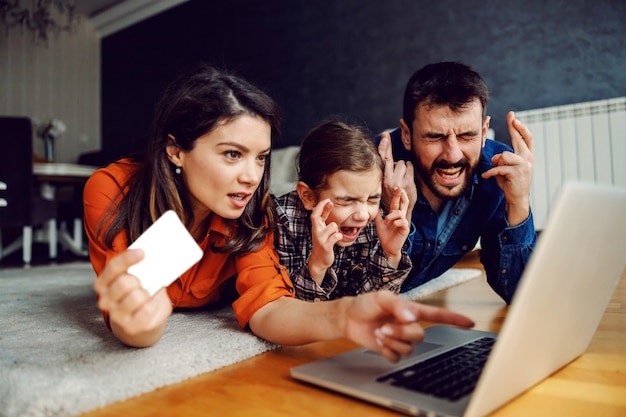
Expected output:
(394, 229)
(324, 238)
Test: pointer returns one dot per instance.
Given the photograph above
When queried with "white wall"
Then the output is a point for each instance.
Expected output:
(58, 80)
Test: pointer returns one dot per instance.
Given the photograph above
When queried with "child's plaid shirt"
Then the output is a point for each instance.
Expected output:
(358, 268)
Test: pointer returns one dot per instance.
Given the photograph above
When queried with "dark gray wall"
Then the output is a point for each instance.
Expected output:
(353, 57)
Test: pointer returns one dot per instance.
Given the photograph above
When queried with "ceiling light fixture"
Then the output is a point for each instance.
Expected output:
(39, 17)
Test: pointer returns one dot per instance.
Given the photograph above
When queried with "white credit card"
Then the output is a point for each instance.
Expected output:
(169, 251)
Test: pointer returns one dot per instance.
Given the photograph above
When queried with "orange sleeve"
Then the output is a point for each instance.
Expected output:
(261, 279)
(102, 188)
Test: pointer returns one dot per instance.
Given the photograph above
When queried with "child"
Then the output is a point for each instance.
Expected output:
(331, 235)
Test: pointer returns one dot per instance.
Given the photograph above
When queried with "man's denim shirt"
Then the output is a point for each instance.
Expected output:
(480, 213)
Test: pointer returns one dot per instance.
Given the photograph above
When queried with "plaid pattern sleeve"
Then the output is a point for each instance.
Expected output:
(358, 268)
(366, 266)
(293, 244)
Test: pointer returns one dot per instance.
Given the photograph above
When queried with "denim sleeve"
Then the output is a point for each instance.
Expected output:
(505, 255)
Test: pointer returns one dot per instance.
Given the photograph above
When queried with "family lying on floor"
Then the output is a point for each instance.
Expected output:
(369, 217)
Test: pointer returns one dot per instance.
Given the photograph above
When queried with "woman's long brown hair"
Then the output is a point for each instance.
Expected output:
(190, 107)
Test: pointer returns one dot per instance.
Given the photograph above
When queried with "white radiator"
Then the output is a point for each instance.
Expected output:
(582, 141)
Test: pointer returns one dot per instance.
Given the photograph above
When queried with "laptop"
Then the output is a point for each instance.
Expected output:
(576, 265)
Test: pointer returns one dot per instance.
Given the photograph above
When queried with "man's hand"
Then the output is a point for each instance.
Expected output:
(513, 171)
(398, 174)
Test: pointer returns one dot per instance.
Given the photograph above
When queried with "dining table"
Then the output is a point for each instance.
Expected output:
(50, 176)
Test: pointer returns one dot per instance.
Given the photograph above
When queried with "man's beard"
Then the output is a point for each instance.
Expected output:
(427, 174)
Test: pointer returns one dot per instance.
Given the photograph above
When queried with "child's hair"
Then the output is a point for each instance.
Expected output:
(334, 146)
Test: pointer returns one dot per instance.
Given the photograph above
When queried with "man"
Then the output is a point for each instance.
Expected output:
(461, 186)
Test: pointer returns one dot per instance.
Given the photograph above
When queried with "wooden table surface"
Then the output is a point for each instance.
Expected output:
(61, 171)
(592, 385)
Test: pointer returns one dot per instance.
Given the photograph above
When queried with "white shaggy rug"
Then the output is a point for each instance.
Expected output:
(58, 359)
(448, 279)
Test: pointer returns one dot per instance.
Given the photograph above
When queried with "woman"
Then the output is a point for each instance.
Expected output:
(208, 160)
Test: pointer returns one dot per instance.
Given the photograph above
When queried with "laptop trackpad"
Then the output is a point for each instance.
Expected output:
(418, 349)
(422, 348)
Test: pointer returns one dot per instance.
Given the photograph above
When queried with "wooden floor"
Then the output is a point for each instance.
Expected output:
(470, 260)
(594, 384)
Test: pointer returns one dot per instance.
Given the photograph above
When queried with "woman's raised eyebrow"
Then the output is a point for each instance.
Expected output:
(234, 145)
(241, 147)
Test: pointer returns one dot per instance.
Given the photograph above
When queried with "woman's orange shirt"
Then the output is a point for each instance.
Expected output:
(260, 278)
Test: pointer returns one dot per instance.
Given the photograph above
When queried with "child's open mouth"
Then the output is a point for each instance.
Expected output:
(350, 233)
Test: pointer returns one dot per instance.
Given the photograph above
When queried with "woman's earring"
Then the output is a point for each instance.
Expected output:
(177, 170)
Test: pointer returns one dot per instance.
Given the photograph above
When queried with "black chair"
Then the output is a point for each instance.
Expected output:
(21, 207)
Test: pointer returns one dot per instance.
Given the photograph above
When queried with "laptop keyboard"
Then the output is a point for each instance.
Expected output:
(451, 375)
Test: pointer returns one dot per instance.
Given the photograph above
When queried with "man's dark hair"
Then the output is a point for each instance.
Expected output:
(449, 84)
